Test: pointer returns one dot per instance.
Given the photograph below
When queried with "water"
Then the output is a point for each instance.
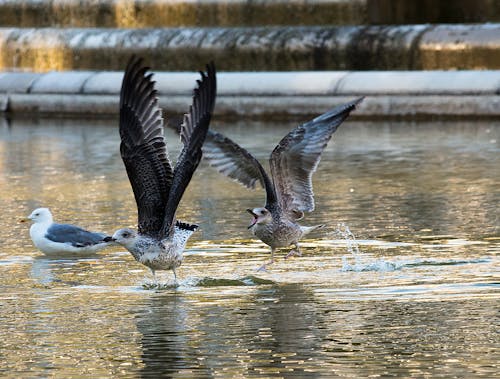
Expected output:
(403, 283)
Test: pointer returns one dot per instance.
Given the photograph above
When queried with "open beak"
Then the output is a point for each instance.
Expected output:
(255, 218)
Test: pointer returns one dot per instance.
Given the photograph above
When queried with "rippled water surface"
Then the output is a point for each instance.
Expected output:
(404, 282)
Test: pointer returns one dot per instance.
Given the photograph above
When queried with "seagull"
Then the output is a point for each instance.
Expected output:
(289, 190)
(158, 188)
(52, 238)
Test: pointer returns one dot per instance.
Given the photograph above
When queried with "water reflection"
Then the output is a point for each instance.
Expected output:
(419, 298)
(285, 330)
(234, 339)
(165, 337)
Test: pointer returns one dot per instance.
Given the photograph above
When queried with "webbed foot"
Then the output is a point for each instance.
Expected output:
(294, 252)
(264, 266)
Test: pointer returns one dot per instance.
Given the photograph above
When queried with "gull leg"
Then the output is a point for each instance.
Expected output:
(155, 280)
(175, 277)
(264, 266)
(295, 252)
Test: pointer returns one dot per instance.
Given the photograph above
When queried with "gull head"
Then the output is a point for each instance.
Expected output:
(125, 237)
(41, 215)
(260, 216)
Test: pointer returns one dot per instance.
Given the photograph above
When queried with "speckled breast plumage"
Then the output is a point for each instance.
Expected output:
(279, 233)
(161, 255)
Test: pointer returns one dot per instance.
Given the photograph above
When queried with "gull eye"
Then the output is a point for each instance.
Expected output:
(37, 214)
(126, 235)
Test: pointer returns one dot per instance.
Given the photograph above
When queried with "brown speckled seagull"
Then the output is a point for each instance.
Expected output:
(158, 188)
(289, 190)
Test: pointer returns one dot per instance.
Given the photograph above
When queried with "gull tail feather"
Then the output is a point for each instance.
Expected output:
(308, 229)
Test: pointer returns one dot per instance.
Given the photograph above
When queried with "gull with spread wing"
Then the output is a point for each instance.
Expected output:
(289, 190)
(157, 186)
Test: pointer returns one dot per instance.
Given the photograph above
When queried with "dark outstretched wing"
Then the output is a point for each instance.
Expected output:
(231, 160)
(74, 235)
(193, 132)
(143, 148)
(297, 155)
(235, 162)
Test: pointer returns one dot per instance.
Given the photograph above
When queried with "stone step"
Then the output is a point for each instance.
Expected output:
(389, 94)
(225, 13)
(409, 47)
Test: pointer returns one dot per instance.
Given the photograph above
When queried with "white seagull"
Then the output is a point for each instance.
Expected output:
(289, 190)
(52, 238)
(158, 188)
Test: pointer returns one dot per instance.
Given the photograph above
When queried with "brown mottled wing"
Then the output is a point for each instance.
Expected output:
(193, 132)
(233, 161)
(143, 148)
(297, 155)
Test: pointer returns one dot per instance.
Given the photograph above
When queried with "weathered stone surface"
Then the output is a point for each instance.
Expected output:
(256, 49)
(373, 107)
(411, 95)
(420, 82)
(63, 105)
(294, 83)
(17, 81)
(103, 83)
(444, 46)
(61, 82)
(301, 83)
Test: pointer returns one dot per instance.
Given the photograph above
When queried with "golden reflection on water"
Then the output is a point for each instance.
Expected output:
(420, 299)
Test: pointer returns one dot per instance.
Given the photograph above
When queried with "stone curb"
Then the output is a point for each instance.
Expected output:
(303, 83)
(409, 94)
(407, 47)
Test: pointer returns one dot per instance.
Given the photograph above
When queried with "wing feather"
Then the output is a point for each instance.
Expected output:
(231, 160)
(193, 132)
(235, 162)
(296, 158)
(143, 147)
(74, 235)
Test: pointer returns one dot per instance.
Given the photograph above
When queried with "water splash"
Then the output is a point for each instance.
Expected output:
(206, 282)
(357, 261)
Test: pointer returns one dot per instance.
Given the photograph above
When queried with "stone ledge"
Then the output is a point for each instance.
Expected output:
(296, 83)
(17, 81)
(394, 94)
(409, 47)
(60, 82)
(373, 107)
